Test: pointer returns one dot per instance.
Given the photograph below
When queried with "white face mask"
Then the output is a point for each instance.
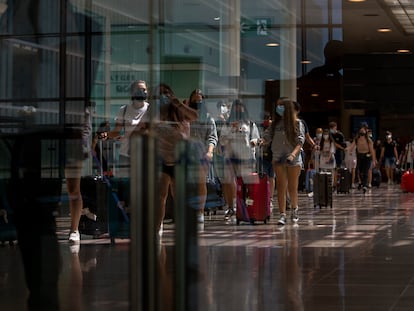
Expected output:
(325, 136)
(224, 109)
(318, 136)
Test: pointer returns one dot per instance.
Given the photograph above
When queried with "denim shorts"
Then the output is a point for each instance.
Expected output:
(280, 159)
(389, 162)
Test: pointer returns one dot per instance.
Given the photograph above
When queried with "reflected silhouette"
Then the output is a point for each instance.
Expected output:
(321, 90)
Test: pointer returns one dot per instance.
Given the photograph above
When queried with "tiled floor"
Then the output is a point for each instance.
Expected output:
(359, 255)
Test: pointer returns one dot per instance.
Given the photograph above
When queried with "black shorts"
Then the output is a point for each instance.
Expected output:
(168, 169)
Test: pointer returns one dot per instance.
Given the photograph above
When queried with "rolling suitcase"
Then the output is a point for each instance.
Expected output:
(376, 177)
(344, 180)
(322, 189)
(95, 196)
(253, 198)
(215, 199)
(105, 204)
(407, 182)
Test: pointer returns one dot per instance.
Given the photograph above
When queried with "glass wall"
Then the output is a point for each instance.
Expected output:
(58, 57)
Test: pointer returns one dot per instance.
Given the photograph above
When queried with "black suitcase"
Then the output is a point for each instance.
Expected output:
(344, 180)
(105, 207)
(322, 189)
(215, 199)
(95, 196)
(376, 177)
(398, 172)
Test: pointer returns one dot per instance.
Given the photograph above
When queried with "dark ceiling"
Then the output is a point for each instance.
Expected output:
(361, 21)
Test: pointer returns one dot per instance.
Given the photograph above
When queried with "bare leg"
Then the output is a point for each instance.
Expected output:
(75, 202)
(293, 173)
(164, 189)
(281, 186)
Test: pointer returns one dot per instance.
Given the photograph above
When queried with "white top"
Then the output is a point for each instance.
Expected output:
(350, 157)
(132, 119)
(327, 155)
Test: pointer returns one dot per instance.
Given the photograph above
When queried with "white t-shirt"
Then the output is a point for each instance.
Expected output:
(132, 118)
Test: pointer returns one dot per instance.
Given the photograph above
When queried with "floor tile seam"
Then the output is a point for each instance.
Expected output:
(410, 283)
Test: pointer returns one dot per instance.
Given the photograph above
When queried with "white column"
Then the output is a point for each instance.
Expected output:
(288, 51)
(230, 39)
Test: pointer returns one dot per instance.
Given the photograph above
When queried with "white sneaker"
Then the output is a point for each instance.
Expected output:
(200, 218)
(74, 237)
(282, 219)
(295, 216)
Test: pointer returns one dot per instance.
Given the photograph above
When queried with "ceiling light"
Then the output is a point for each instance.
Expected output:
(272, 44)
(383, 29)
(403, 51)
(305, 61)
(217, 18)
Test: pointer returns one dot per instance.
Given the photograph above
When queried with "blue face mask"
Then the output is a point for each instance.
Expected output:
(280, 110)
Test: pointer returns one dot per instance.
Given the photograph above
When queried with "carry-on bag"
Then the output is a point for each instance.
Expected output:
(407, 182)
(376, 177)
(253, 195)
(253, 199)
(215, 199)
(322, 189)
(344, 180)
(105, 204)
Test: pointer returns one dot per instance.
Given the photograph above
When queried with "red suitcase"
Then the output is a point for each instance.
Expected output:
(253, 199)
(407, 182)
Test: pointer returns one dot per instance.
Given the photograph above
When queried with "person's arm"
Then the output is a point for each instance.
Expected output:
(351, 147)
(116, 132)
(300, 141)
(119, 124)
(310, 140)
(382, 153)
(212, 139)
(332, 151)
(255, 135)
(372, 151)
(396, 154)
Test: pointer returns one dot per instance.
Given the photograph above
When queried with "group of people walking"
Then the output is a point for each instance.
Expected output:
(232, 141)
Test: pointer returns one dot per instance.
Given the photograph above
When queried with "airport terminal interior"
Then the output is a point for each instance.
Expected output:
(69, 70)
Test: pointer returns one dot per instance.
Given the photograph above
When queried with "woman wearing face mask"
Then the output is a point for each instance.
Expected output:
(315, 151)
(365, 156)
(389, 155)
(287, 136)
(327, 152)
(238, 139)
(203, 132)
(350, 162)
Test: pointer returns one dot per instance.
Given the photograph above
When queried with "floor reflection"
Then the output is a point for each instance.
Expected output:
(353, 257)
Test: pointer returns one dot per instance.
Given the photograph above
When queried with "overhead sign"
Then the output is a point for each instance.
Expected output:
(259, 26)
